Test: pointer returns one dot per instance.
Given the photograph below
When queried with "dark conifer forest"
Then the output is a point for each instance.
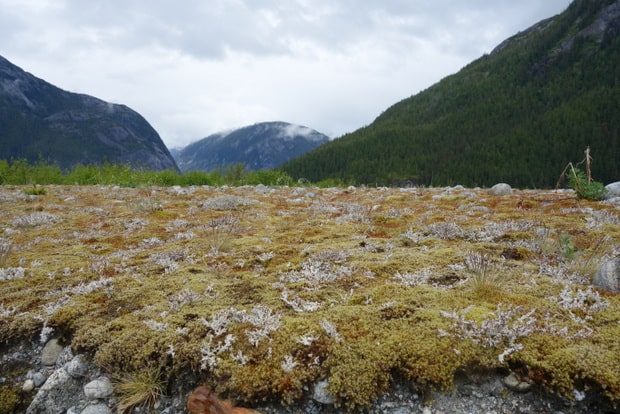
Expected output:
(518, 115)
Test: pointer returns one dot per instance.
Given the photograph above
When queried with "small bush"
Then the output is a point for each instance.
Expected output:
(584, 188)
(36, 190)
(268, 177)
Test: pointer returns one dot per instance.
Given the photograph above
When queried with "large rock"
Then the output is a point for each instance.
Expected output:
(500, 189)
(99, 388)
(59, 392)
(613, 189)
(607, 276)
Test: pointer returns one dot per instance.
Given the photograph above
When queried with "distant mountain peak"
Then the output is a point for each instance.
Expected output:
(292, 131)
(264, 145)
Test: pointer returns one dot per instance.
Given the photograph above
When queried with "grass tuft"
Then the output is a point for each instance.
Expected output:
(139, 389)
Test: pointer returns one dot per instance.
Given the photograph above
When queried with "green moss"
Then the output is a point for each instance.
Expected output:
(9, 399)
(359, 372)
(384, 327)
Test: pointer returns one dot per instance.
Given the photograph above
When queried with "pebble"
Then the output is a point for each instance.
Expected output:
(39, 379)
(50, 352)
(321, 394)
(28, 385)
(515, 384)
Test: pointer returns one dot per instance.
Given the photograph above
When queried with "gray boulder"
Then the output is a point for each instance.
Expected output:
(59, 392)
(613, 190)
(500, 189)
(607, 277)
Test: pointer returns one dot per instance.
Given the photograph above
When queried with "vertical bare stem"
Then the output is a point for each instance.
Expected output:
(588, 160)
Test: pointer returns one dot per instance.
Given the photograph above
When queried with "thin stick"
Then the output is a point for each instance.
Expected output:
(588, 161)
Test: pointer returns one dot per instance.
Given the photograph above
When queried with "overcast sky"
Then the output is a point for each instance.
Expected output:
(196, 67)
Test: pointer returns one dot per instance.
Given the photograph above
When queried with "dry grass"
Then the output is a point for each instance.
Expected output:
(139, 389)
(262, 292)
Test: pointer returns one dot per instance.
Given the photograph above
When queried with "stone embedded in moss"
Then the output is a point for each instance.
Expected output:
(607, 277)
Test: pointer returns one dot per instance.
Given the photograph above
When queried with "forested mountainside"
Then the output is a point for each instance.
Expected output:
(39, 121)
(518, 114)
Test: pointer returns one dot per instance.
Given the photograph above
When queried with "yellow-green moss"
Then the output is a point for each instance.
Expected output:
(9, 399)
(384, 327)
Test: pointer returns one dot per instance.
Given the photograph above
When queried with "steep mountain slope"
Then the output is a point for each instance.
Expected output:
(39, 120)
(260, 146)
(518, 115)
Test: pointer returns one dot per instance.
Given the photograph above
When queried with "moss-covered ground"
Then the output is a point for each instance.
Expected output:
(262, 291)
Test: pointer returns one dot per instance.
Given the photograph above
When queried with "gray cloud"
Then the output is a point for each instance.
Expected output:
(195, 67)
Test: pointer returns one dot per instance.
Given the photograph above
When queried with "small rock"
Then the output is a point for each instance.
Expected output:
(77, 367)
(321, 394)
(39, 379)
(607, 277)
(28, 385)
(515, 384)
(579, 395)
(261, 188)
(65, 356)
(50, 352)
(500, 189)
(96, 409)
(99, 388)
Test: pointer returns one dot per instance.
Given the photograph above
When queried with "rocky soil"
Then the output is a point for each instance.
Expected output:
(55, 381)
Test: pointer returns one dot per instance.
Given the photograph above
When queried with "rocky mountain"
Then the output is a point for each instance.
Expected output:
(40, 121)
(519, 114)
(260, 146)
